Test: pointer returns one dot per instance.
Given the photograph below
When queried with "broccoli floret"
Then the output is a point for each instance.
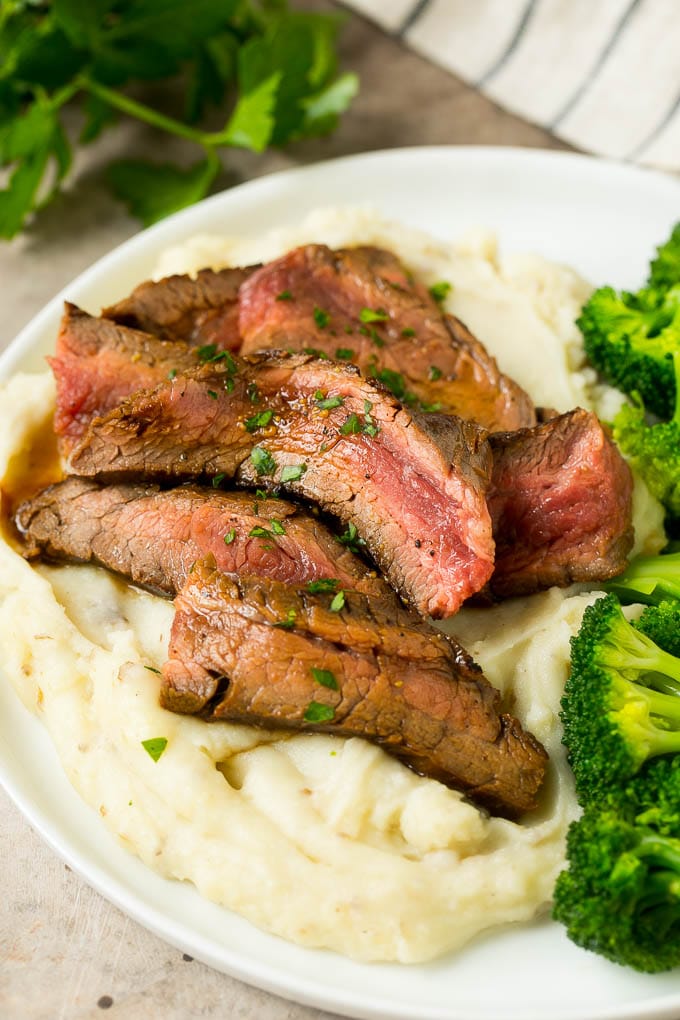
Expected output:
(620, 705)
(620, 896)
(651, 580)
(665, 269)
(652, 797)
(654, 450)
(631, 338)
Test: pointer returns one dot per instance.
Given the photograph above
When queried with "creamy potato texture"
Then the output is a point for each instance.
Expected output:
(335, 844)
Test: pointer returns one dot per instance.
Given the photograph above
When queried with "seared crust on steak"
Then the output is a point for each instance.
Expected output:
(561, 504)
(412, 486)
(386, 676)
(201, 309)
(428, 359)
(153, 536)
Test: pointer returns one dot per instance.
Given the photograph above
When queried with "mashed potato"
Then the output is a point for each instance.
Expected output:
(332, 842)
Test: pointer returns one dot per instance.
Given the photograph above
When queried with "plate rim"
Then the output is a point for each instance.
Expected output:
(297, 989)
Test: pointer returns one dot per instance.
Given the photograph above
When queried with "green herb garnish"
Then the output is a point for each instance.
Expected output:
(439, 291)
(152, 669)
(262, 461)
(324, 584)
(289, 621)
(316, 712)
(212, 394)
(351, 426)
(321, 318)
(258, 421)
(328, 403)
(407, 331)
(292, 472)
(172, 374)
(155, 746)
(434, 373)
(277, 527)
(315, 353)
(218, 479)
(230, 536)
(344, 353)
(351, 539)
(325, 678)
(373, 315)
(338, 602)
(285, 295)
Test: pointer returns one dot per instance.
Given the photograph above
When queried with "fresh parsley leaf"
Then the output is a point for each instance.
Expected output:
(351, 425)
(289, 622)
(325, 678)
(262, 460)
(292, 472)
(324, 584)
(338, 602)
(212, 394)
(277, 527)
(230, 536)
(259, 532)
(284, 295)
(253, 121)
(328, 403)
(155, 746)
(259, 420)
(439, 291)
(434, 373)
(407, 331)
(152, 669)
(344, 353)
(316, 353)
(373, 315)
(321, 318)
(316, 712)
(218, 479)
(351, 538)
(154, 190)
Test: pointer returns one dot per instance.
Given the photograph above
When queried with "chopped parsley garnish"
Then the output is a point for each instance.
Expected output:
(277, 527)
(407, 331)
(152, 669)
(253, 394)
(344, 353)
(324, 584)
(228, 384)
(172, 373)
(321, 318)
(368, 406)
(348, 329)
(207, 353)
(262, 460)
(259, 420)
(439, 291)
(351, 539)
(395, 383)
(430, 408)
(230, 536)
(377, 340)
(316, 712)
(327, 403)
(212, 394)
(373, 315)
(364, 330)
(285, 295)
(289, 621)
(218, 479)
(434, 373)
(351, 426)
(315, 353)
(338, 602)
(293, 472)
(155, 746)
(325, 678)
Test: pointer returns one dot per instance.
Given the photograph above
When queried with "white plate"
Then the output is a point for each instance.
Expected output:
(600, 217)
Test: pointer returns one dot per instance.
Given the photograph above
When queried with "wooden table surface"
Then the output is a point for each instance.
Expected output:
(65, 952)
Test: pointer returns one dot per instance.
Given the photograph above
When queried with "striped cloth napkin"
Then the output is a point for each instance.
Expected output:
(603, 75)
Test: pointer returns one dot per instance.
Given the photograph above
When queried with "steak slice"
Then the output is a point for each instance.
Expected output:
(153, 537)
(369, 670)
(561, 505)
(411, 488)
(98, 363)
(201, 309)
(362, 305)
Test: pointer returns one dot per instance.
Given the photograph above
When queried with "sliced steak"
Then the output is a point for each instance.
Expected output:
(97, 363)
(410, 487)
(365, 671)
(200, 310)
(560, 501)
(361, 305)
(154, 537)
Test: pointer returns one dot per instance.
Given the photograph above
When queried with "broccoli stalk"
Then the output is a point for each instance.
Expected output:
(621, 703)
(621, 894)
(649, 579)
(654, 450)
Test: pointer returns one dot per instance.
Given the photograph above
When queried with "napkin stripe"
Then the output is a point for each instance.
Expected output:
(656, 132)
(525, 18)
(604, 55)
(411, 18)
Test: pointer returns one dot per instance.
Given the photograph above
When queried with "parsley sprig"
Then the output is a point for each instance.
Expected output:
(273, 69)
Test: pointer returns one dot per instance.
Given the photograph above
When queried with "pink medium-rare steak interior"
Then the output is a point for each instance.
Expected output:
(412, 487)
(362, 306)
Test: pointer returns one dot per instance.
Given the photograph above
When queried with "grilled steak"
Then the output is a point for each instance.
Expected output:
(369, 671)
(410, 488)
(560, 501)
(154, 537)
(201, 309)
(361, 305)
(97, 363)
